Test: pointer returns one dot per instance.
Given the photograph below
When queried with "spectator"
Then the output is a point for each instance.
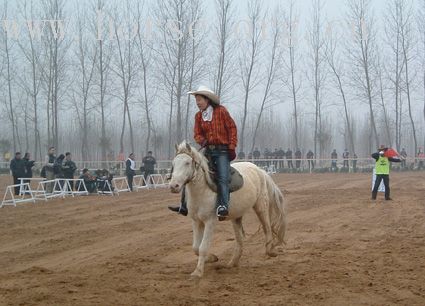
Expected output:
(334, 158)
(149, 163)
(267, 155)
(241, 155)
(29, 164)
(382, 169)
(130, 170)
(421, 156)
(403, 155)
(289, 158)
(355, 162)
(89, 181)
(256, 153)
(345, 156)
(310, 156)
(57, 169)
(49, 163)
(17, 167)
(69, 168)
(281, 156)
(298, 156)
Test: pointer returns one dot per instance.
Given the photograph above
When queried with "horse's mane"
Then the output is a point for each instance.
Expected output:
(198, 157)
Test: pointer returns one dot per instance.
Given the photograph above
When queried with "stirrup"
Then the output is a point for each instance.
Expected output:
(222, 212)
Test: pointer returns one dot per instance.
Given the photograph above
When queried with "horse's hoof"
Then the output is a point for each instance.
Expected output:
(232, 264)
(196, 275)
(211, 258)
(272, 253)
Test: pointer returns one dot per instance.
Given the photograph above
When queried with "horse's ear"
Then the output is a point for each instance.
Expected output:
(188, 147)
(177, 147)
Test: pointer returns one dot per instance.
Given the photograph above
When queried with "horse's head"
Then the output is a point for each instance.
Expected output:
(184, 167)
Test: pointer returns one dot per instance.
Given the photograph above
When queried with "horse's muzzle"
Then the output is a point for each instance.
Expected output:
(175, 188)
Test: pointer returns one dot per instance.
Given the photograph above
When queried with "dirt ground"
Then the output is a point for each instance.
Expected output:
(342, 249)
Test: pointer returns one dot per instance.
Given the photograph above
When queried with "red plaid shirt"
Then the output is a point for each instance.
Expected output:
(221, 130)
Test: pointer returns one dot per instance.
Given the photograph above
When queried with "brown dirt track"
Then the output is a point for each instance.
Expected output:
(342, 248)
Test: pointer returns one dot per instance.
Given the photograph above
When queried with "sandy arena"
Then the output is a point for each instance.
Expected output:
(342, 249)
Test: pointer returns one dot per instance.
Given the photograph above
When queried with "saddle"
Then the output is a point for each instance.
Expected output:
(235, 180)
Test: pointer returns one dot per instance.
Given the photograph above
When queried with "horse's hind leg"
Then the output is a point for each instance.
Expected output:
(260, 209)
(237, 253)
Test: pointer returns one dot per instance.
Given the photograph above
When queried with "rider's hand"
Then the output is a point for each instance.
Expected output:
(232, 154)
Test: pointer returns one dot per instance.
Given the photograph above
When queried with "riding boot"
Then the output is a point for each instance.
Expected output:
(374, 194)
(182, 208)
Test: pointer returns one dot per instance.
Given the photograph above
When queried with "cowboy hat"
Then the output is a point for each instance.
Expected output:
(382, 147)
(205, 91)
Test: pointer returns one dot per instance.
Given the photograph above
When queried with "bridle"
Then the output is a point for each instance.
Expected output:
(195, 168)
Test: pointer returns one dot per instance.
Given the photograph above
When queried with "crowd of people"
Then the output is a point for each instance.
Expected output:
(294, 160)
(63, 167)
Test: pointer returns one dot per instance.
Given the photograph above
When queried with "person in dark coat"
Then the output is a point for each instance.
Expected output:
(310, 156)
(130, 170)
(334, 158)
(17, 167)
(298, 156)
(29, 164)
(69, 168)
(149, 163)
(289, 158)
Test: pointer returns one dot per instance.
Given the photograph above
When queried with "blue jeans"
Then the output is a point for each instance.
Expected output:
(219, 161)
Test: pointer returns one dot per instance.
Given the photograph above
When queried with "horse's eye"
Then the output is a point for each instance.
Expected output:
(187, 163)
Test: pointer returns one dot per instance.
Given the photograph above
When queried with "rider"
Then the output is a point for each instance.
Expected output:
(216, 131)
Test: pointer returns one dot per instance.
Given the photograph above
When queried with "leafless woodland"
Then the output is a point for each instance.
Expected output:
(100, 77)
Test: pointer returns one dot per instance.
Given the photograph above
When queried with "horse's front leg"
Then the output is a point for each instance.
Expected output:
(198, 233)
(204, 247)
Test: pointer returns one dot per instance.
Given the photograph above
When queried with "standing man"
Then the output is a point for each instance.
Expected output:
(149, 163)
(310, 156)
(69, 168)
(345, 156)
(289, 158)
(28, 165)
(49, 163)
(334, 158)
(355, 163)
(382, 169)
(130, 170)
(298, 156)
(17, 167)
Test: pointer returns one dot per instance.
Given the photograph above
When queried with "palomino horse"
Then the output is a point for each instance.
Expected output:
(190, 169)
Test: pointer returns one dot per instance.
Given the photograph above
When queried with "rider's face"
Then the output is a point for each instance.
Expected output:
(201, 102)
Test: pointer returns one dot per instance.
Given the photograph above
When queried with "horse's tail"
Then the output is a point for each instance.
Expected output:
(277, 210)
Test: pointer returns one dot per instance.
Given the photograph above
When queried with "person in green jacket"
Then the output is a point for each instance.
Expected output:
(382, 169)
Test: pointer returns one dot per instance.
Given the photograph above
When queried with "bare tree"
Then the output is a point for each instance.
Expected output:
(86, 55)
(102, 73)
(225, 48)
(316, 61)
(421, 21)
(393, 24)
(337, 67)
(9, 77)
(290, 73)
(362, 54)
(407, 45)
(248, 60)
(273, 57)
(125, 67)
(32, 54)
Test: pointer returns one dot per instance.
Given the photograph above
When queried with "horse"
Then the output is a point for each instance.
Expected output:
(190, 169)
